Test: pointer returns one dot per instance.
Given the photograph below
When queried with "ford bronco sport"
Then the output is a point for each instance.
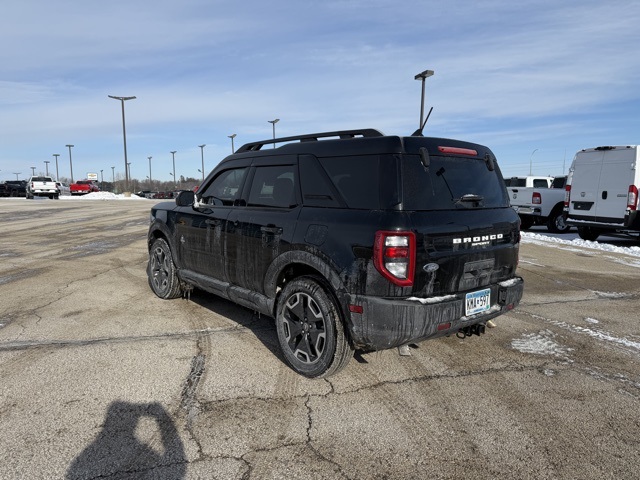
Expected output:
(350, 240)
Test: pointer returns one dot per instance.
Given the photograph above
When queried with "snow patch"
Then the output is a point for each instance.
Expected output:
(541, 343)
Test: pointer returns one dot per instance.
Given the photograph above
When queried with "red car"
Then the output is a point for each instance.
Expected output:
(82, 187)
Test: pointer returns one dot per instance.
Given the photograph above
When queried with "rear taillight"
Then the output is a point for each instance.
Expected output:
(536, 199)
(632, 198)
(394, 256)
(567, 195)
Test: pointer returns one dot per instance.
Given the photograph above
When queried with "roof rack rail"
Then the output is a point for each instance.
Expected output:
(312, 137)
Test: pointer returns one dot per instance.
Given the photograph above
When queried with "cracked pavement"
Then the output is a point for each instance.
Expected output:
(101, 379)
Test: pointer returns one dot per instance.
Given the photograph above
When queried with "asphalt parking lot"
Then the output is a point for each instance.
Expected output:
(101, 379)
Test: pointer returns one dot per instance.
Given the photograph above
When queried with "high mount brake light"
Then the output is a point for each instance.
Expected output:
(459, 151)
(394, 256)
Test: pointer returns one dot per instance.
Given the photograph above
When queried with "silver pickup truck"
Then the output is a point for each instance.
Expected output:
(540, 205)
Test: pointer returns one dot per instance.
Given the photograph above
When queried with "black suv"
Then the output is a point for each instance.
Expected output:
(350, 240)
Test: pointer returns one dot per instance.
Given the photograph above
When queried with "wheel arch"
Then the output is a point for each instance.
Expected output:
(294, 264)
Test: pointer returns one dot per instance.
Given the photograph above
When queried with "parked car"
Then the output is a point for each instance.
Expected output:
(63, 188)
(13, 188)
(602, 192)
(82, 187)
(349, 239)
(541, 206)
(41, 186)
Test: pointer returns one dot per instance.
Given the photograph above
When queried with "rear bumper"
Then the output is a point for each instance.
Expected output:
(630, 222)
(386, 323)
(536, 211)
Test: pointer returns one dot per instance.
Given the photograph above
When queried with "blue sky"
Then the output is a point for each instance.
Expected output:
(534, 80)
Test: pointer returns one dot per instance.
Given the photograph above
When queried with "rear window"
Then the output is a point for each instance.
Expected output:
(451, 183)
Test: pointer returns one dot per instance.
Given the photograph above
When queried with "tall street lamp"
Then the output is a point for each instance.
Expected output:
(57, 174)
(202, 156)
(232, 136)
(113, 178)
(531, 160)
(422, 76)
(46, 166)
(273, 124)
(124, 136)
(150, 172)
(101, 180)
(70, 162)
(16, 174)
(33, 171)
(173, 154)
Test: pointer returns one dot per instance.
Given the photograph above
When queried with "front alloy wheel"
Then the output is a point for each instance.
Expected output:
(162, 272)
(310, 329)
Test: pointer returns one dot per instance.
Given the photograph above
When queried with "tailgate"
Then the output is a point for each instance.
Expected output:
(477, 249)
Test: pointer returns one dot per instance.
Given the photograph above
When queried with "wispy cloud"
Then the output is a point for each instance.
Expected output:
(517, 76)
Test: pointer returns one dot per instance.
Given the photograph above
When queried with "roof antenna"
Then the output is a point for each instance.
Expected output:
(422, 76)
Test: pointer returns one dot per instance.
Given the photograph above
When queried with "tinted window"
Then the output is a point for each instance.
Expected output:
(225, 188)
(515, 182)
(273, 187)
(448, 180)
(316, 186)
(540, 183)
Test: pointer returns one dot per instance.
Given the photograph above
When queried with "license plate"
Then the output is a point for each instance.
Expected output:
(476, 302)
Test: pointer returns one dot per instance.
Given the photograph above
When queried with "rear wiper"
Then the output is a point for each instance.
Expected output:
(470, 198)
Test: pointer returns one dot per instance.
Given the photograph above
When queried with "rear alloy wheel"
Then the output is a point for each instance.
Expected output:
(556, 223)
(162, 272)
(310, 329)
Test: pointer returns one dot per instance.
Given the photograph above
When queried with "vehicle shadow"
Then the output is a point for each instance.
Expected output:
(262, 326)
(117, 452)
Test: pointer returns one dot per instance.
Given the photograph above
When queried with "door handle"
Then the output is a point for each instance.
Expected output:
(271, 229)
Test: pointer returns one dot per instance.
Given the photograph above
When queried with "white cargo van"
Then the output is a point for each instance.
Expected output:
(602, 192)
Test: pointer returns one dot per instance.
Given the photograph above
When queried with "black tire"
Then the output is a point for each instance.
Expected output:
(162, 272)
(556, 223)
(311, 330)
(526, 222)
(588, 233)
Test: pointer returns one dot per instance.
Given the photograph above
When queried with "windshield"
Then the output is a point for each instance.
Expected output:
(451, 183)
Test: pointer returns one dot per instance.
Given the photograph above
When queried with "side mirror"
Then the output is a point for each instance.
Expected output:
(185, 198)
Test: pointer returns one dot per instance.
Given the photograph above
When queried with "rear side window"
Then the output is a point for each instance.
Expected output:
(540, 183)
(365, 182)
(451, 183)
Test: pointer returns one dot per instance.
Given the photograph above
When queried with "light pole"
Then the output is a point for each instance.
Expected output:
(33, 171)
(531, 160)
(150, 173)
(70, 162)
(101, 179)
(273, 124)
(113, 178)
(232, 136)
(16, 174)
(57, 174)
(124, 136)
(46, 166)
(422, 76)
(202, 156)
(173, 154)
